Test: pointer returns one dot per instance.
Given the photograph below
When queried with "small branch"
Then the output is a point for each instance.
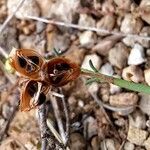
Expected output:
(58, 118)
(48, 140)
(11, 16)
(137, 87)
(71, 25)
(5, 126)
(66, 115)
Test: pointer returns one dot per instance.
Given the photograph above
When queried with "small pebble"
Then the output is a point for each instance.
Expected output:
(147, 76)
(87, 39)
(29, 7)
(80, 103)
(107, 69)
(125, 5)
(145, 10)
(103, 46)
(106, 23)
(136, 56)
(114, 89)
(137, 119)
(129, 146)
(131, 25)
(65, 11)
(123, 99)
(96, 60)
(93, 88)
(147, 143)
(144, 103)
(136, 136)
(108, 144)
(118, 55)
(90, 124)
(86, 20)
(128, 41)
(145, 32)
(133, 73)
(95, 143)
(77, 142)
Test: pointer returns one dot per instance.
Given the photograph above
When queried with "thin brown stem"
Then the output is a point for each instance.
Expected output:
(48, 140)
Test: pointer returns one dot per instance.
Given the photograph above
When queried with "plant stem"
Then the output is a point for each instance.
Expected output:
(138, 87)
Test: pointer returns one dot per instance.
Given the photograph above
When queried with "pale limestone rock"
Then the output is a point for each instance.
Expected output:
(106, 23)
(86, 20)
(128, 146)
(29, 7)
(123, 99)
(133, 73)
(95, 59)
(136, 136)
(136, 56)
(145, 10)
(87, 39)
(147, 76)
(130, 24)
(118, 55)
(144, 103)
(107, 69)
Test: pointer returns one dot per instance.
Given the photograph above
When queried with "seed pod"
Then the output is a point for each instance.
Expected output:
(32, 94)
(60, 71)
(27, 62)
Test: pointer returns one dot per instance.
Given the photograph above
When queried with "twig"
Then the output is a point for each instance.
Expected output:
(66, 115)
(47, 138)
(80, 27)
(11, 16)
(4, 53)
(58, 118)
(5, 126)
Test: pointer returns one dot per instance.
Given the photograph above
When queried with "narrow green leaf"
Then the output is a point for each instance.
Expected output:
(92, 66)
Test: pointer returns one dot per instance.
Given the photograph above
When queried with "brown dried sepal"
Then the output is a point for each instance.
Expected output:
(61, 71)
(29, 91)
(27, 62)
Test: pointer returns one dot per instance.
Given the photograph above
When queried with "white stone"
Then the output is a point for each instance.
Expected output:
(63, 10)
(144, 103)
(130, 24)
(125, 5)
(118, 55)
(136, 136)
(87, 39)
(147, 143)
(133, 73)
(108, 144)
(129, 41)
(114, 89)
(129, 146)
(137, 119)
(29, 7)
(136, 56)
(147, 76)
(96, 60)
(90, 124)
(80, 103)
(107, 23)
(145, 10)
(93, 88)
(107, 69)
(86, 20)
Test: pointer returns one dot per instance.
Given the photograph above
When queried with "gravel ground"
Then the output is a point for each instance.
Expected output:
(123, 51)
